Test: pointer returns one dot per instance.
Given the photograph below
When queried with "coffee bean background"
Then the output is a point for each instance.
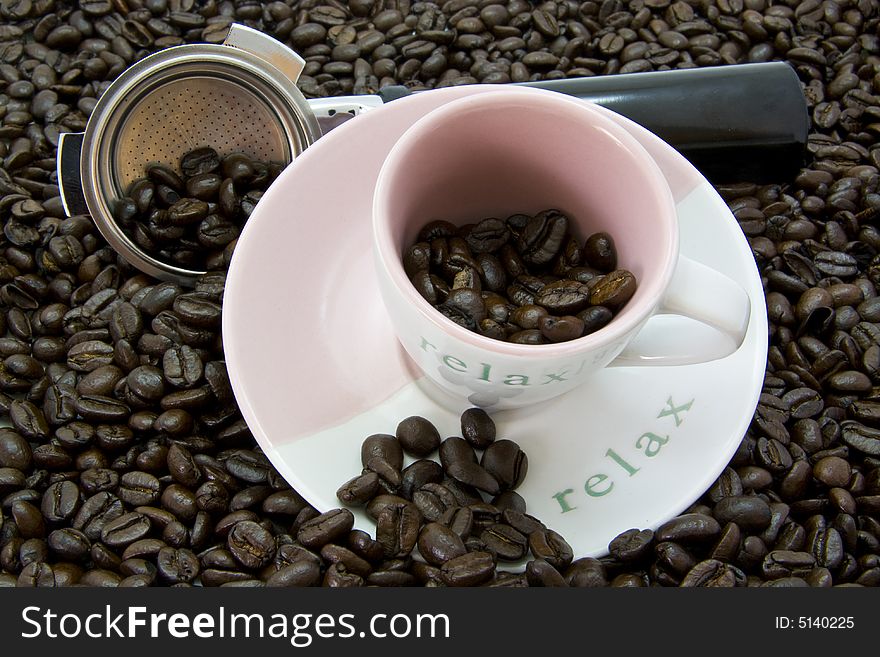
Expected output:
(127, 461)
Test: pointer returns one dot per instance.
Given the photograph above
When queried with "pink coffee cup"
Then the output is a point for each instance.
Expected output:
(524, 150)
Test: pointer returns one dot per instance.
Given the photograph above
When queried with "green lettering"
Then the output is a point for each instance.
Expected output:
(674, 410)
(484, 376)
(556, 377)
(592, 486)
(426, 344)
(560, 497)
(516, 380)
(655, 442)
(623, 464)
(454, 363)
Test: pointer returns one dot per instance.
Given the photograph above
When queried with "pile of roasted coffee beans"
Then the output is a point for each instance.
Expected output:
(525, 279)
(96, 489)
(191, 216)
(462, 513)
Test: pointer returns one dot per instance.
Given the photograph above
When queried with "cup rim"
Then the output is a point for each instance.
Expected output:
(391, 261)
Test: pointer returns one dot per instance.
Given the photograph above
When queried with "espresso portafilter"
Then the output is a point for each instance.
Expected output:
(744, 122)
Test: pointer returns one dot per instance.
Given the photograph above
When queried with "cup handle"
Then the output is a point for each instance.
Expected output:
(699, 293)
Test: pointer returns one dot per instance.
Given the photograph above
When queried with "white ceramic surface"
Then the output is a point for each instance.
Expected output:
(458, 163)
(316, 367)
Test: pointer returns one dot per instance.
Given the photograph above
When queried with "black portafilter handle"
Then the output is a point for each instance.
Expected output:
(738, 123)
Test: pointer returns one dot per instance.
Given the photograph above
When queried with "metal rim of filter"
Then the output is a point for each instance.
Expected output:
(98, 165)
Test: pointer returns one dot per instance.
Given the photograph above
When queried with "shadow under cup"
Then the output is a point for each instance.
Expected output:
(524, 151)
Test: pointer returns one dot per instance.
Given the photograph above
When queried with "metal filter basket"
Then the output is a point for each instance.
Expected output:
(240, 96)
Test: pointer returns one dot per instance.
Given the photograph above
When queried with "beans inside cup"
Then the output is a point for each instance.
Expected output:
(525, 279)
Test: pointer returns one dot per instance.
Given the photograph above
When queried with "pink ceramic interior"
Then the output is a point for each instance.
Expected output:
(523, 151)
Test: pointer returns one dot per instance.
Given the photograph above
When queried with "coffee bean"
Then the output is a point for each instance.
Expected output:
(673, 559)
(631, 545)
(488, 235)
(397, 530)
(600, 252)
(594, 318)
(212, 497)
(785, 563)
(182, 367)
(326, 528)
(389, 478)
(548, 545)
(473, 474)
(342, 556)
(832, 471)
(505, 542)
(527, 337)
(477, 428)
(692, 527)
(177, 565)
(586, 573)
(365, 547)
(541, 573)
(138, 488)
(199, 161)
(469, 569)
(384, 446)
(147, 383)
(542, 237)
(15, 452)
(197, 311)
(506, 462)
(561, 329)
(69, 544)
(28, 420)
(438, 544)
(714, 573)
(360, 490)
(773, 455)
(60, 501)
(563, 297)
(96, 512)
(861, 438)
(298, 574)
(455, 450)
(28, 519)
(614, 289)
(100, 408)
(750, 513)
(251, 545)
(434, 500)
(827, 547)
(417, 436)
(417, 258)
(180, 501)
(529, 316)
(125, 529)
(37, 574)
(419, 473)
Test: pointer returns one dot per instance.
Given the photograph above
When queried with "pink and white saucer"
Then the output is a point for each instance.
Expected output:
(316, 367)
